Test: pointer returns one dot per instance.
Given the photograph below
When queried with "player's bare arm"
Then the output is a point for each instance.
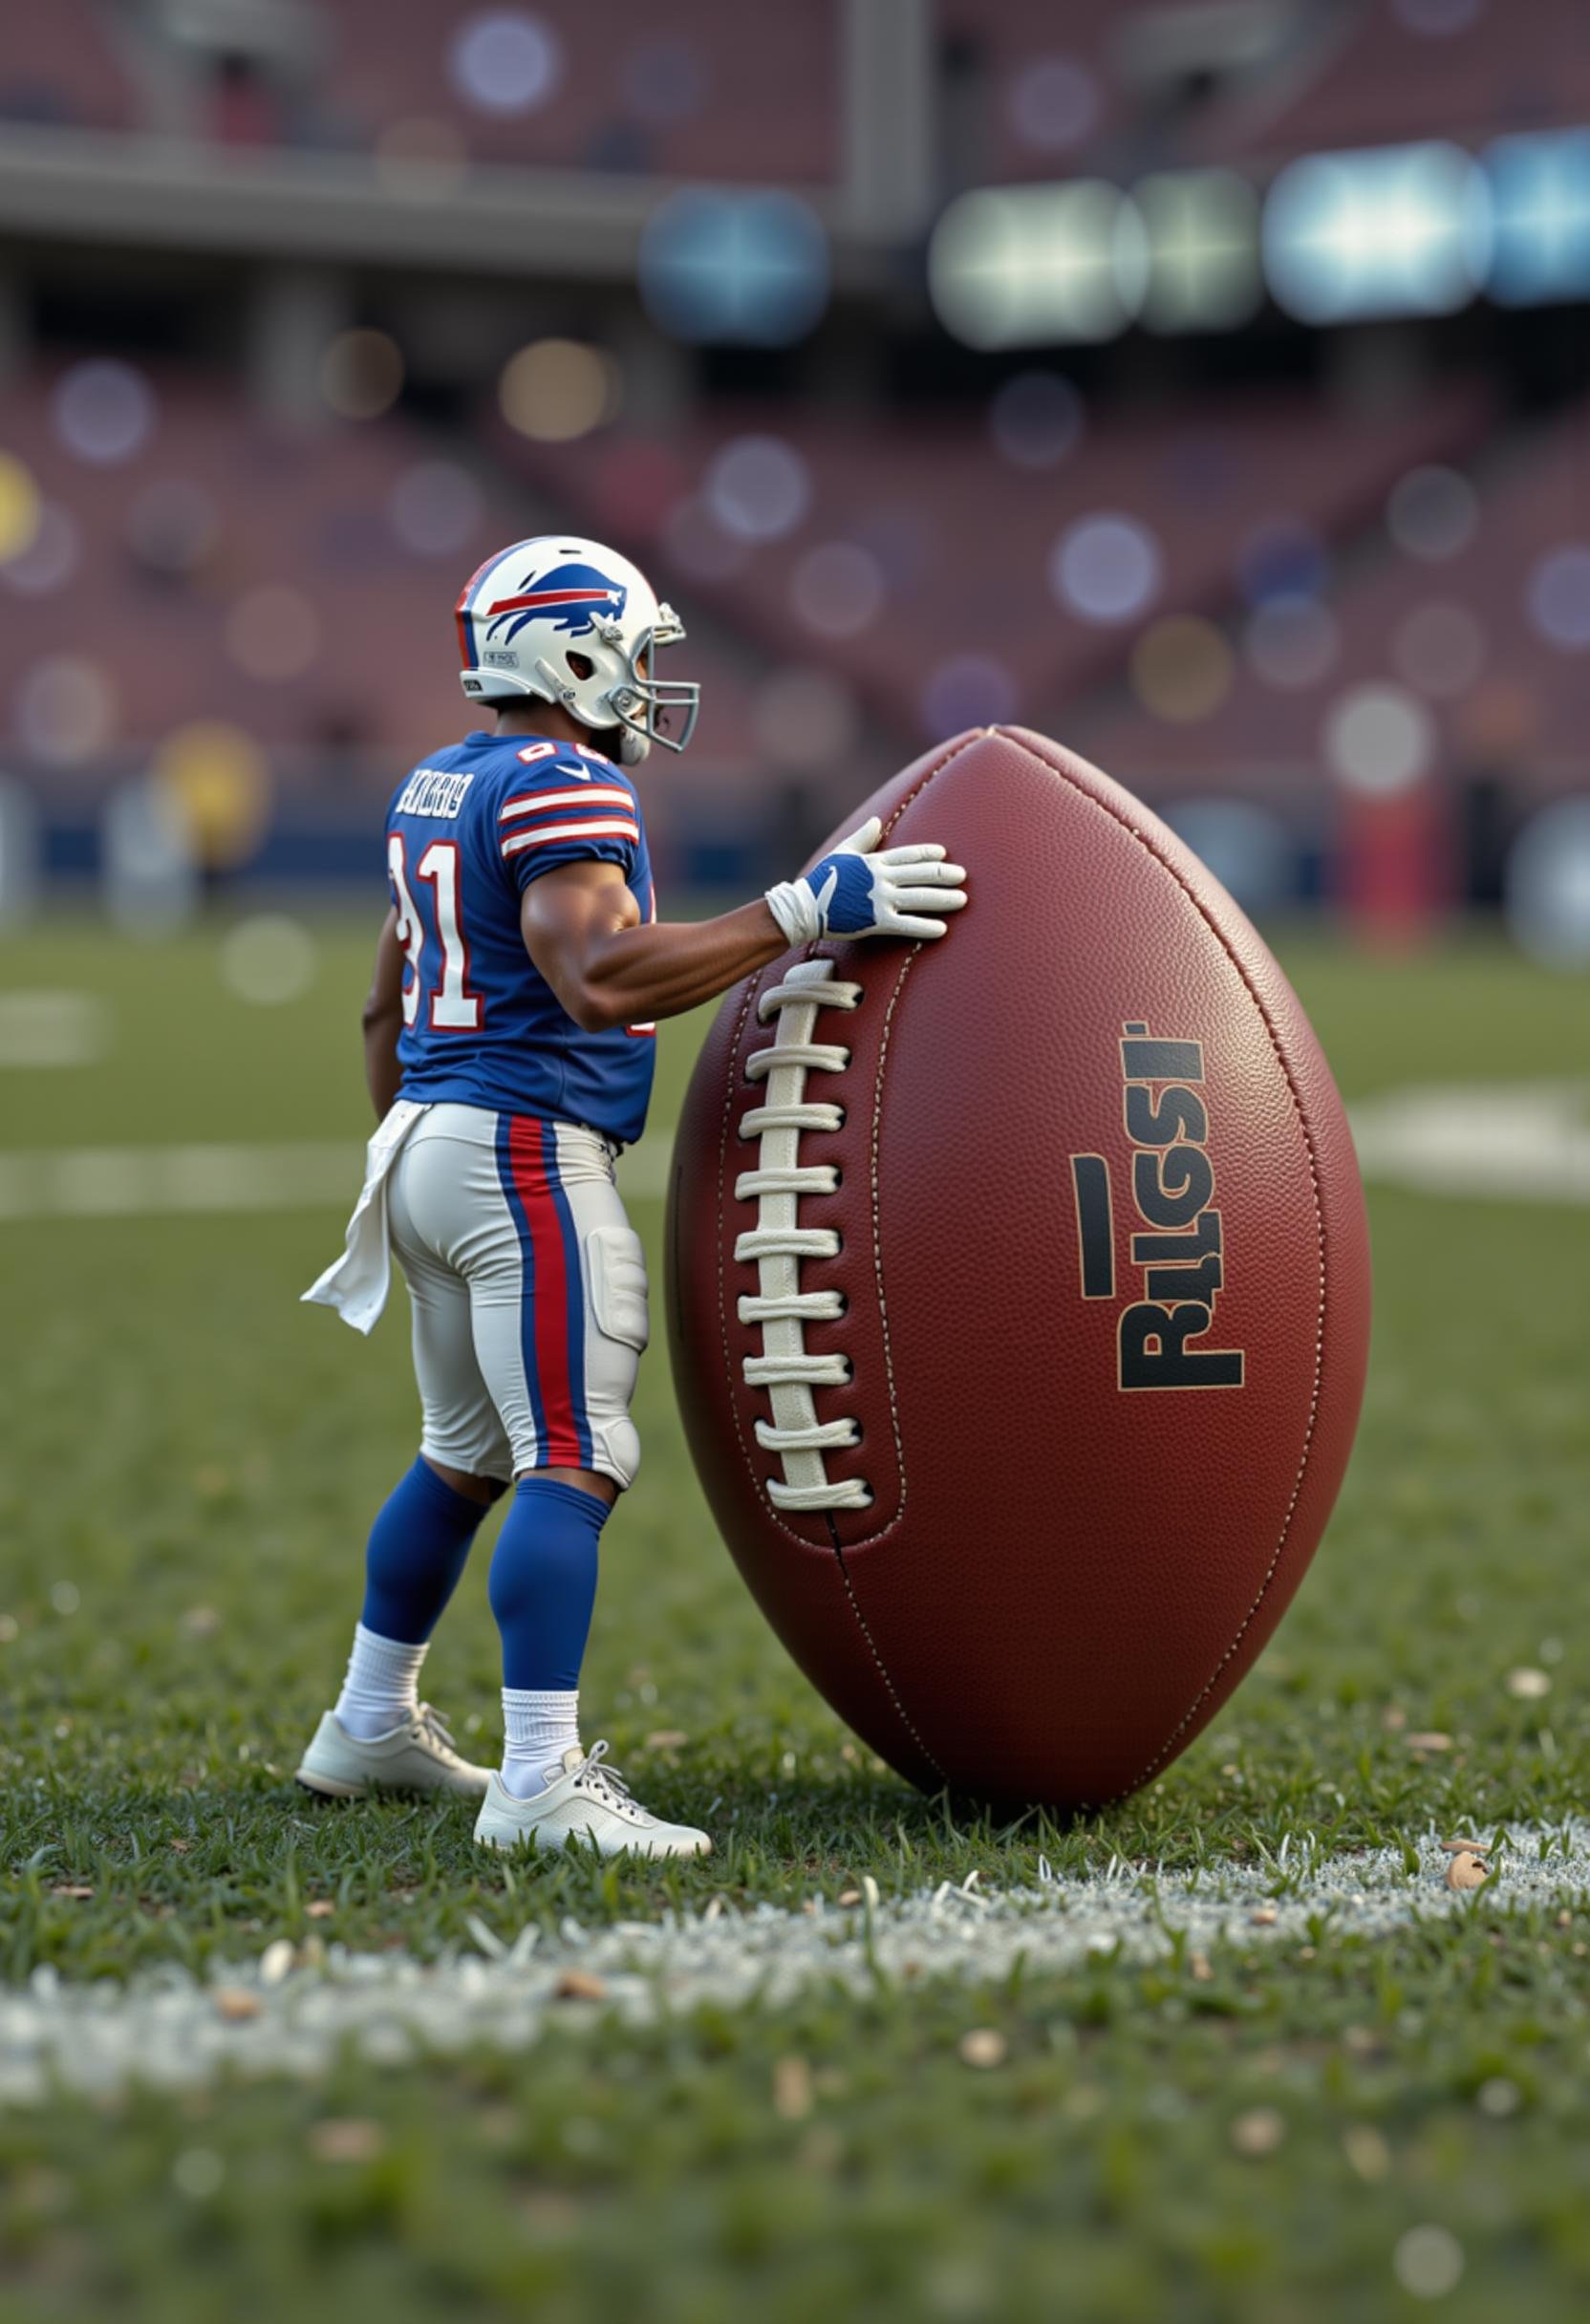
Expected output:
(583, 929)
(382, 1019)
(584, 932)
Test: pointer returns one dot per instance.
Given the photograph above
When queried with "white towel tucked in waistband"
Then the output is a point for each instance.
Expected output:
(356, 1284)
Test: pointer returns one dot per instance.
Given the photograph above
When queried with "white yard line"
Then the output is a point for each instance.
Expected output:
(144, 1181)
(1503, 1141)
(278, 2013)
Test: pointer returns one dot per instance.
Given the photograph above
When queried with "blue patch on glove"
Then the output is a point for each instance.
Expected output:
(842, 885)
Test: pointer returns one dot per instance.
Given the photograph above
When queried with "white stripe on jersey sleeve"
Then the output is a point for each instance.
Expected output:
(589, 795)
(544, 837)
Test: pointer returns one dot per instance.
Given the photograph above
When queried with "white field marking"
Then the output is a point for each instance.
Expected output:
(136, 1182)
(139, 1182)
(1501, 1141)
(49, 1028)
(166, 2028)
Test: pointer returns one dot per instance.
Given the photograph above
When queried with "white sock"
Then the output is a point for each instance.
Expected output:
(382, 1686)
(537, 1729)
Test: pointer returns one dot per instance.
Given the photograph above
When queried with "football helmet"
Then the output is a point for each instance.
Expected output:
(574, 623)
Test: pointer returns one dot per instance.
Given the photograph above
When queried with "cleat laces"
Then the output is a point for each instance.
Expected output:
(598, 1776)
(433, 1730)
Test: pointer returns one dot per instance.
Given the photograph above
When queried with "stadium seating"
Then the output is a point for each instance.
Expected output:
(692, 93)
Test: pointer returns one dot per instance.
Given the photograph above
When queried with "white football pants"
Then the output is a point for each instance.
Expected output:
(528, 1287)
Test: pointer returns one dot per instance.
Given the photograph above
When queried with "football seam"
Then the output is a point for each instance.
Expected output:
(1167, 1749)
(732, 1083)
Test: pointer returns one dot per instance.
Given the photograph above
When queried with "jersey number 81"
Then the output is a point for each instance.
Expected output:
(453, 1008)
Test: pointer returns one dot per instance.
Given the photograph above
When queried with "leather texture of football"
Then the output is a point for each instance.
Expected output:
(1018, 1292)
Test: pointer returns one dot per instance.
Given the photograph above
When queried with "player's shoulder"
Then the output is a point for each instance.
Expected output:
(531, 764)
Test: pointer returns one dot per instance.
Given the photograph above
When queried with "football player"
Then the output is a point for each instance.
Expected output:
(508, 1049)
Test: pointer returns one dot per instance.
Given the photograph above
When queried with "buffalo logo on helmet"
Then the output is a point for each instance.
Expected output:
(571, 597)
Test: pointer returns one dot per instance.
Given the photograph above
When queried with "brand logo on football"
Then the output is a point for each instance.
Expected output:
(1181, 1253)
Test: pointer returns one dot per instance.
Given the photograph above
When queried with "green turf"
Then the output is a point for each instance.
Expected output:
(188, 1462)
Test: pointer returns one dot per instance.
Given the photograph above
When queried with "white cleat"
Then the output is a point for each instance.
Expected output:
(587, 1801)
(418, 1756)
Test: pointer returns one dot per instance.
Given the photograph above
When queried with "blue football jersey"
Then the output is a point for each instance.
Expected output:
(465, 834)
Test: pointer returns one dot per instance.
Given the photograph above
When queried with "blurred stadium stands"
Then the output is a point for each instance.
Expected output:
(1260, 478)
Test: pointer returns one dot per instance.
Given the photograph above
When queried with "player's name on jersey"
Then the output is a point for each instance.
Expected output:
(433, 790)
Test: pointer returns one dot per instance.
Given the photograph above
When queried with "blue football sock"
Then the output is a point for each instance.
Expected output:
(543, 1582)
(418, 1548)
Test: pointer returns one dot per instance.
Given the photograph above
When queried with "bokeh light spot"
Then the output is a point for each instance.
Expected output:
(1281, 557)
(757, 487)
(66, 709)
(1380, 741)
(435, 507)
(556, 391)
(968, 690)
(1106, 568)
(1019, 266)
(837, 588)
(1432, 513)
(20, 508)
(505, 61)
(268, 959)
(749, 268)
(362, 373)
(1181, 669)
(696, 542)
(1560, 596)
(1053, 103)
(1427, 2262)
(1035, 419)
(103, 411)
(1291, 642)
(50, 560)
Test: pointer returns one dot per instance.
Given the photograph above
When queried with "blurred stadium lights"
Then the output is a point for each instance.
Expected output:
(734, 267)
(1202, 229)
(1541, 207)
(1389, 230)
(1338, 237)
(1023, 266)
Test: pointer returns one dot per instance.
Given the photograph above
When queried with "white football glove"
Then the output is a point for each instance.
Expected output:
(861, 890)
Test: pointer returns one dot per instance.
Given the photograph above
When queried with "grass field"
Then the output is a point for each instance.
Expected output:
(188, 1464)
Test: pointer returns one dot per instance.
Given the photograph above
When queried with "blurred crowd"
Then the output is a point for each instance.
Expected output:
(1320, 593)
